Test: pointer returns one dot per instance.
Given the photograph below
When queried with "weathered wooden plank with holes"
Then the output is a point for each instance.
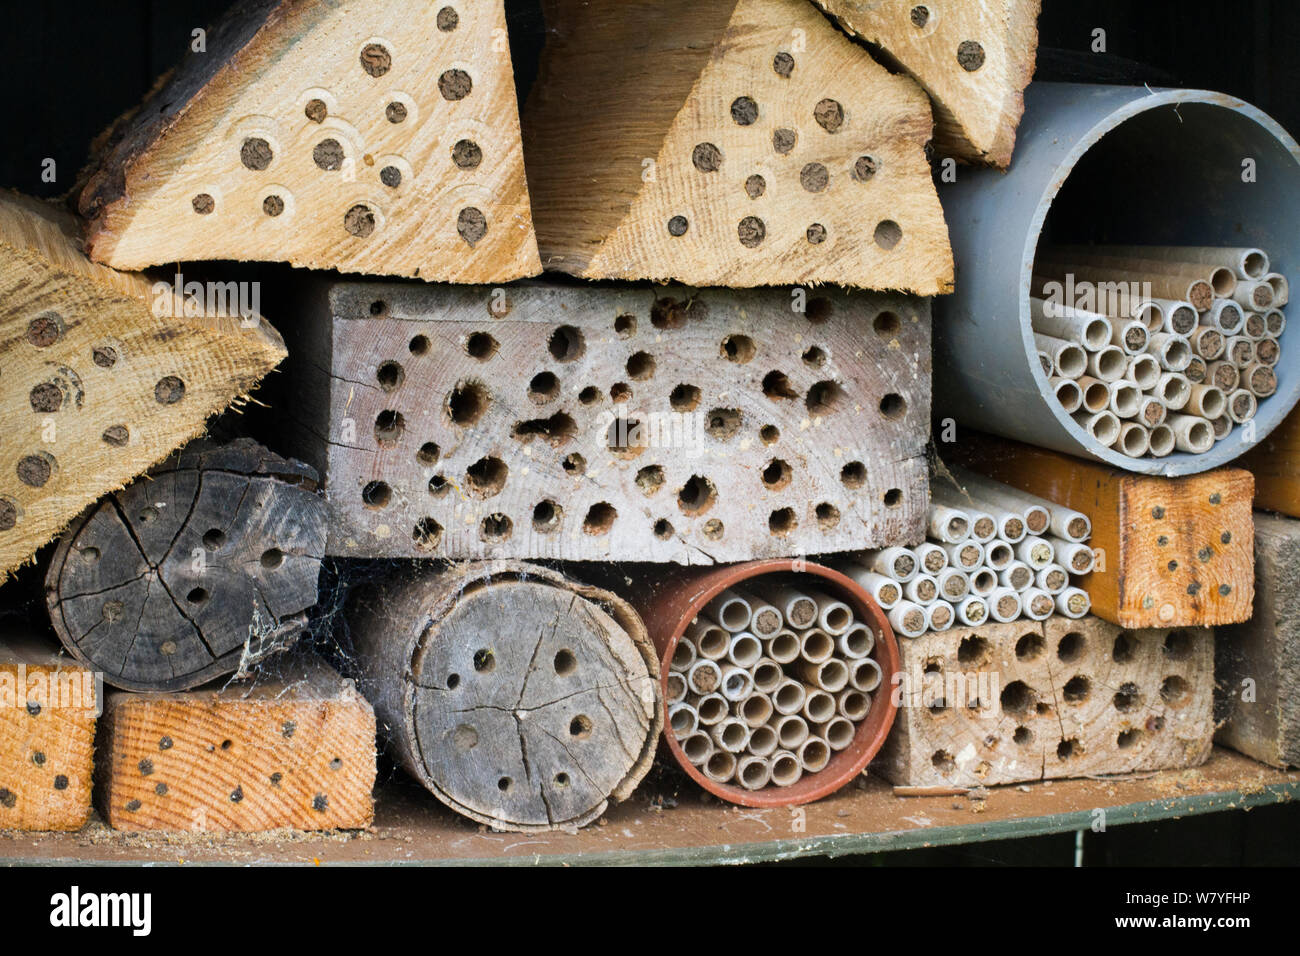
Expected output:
(732, 143)
(615, 423)
(1176, 552)
(367, 137)
(284, 752)
(1006, 703)
(207, 564)
(49, 705)
(520, 698)
(1257, 663)
(974, 59)
(96, 387)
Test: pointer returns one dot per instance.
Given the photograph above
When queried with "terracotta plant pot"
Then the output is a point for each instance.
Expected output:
(671, 605)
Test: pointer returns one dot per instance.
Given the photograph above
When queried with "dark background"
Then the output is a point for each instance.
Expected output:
(69, 67)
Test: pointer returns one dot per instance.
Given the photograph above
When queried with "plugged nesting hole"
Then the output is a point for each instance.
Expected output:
(824, 397)
(1017, 698)
(375, 59)
(486, 477)
(697, 495)
(389, 425)
(620, 392)
(328, 155)
(426, 534)
(713, 529)
(359, 221)
(600, 519)
(471, 224)
(777, 474)
(467, 402)
(970, 55)
(853, 475)
(496, 527)
(105, 356)
(390, 375)
(203, 203)
(448, 19)
(455, 85)
(776, 386)
(650, 479)
(783, 64)
(829, 115)
(973, 650)
(481, 346)
(828, 516)
(574, 464)
(466, 154)
(755, 186)
(1070, 647)
(376, 494)
(816, 234)
(169, 390)
(684, 398)
(543, 388)
(116, 435)
(316, 111)
(920, 16)
(751, 231)
(273, 205)
(814, 177)
(546, 516)
(769, 434)
(723, 423)
(678, 225)
(706, 157)
(255, 153)
(395, 112)
(783, 140)
(782, 522)
(744, 111)
(865, 167)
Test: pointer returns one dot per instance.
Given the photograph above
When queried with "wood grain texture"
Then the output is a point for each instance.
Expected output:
(205, 565)
(1262, 718)
(517, 697)
(1177, 552)
(974, 59)
(49, 706)
(378, 138)
(615, 424)
(96, 387)
(294, 752)
(736, 143)
(1275, 463)
(1063, 698)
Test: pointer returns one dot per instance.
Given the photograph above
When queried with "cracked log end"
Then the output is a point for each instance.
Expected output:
(518, 698)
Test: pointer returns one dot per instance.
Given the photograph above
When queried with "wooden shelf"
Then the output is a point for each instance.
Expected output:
(411, 827)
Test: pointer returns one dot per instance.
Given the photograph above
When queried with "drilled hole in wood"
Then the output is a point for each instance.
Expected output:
(641, 366)
(1022, 736)
(697, 495)
(197, 595)
(35, 470)
(706, 157)
(255, 153)
(663, 529)
(1124, 648)
(574, 464)
(973, 650)
(1017, 698)
(395, 112)
(755, 186)
(467, 402)
(600, 519)
(1178, 645)
(1174, 691)
(1030, 647)
(169, 390)
(1128, 739)
(723, 423)
(328, 155)
(496, 527)
(214, 539)
(419, 345)
(829, 115)
(105, 356)
(428, 454)
(8, 515)
(390, 376)
(886, 324)
(46, 397)
(713, 529)
(865, 167)
(814, 177)
(453, 681)
(620, 392)
(1070, 647)
(828, 516)
(580, 727)
(893, 497)
(389, 425)
(942, 761)
(625, 437)
(565, 662)
(1127, 698)
(466, 154)
(744, 111)
(543, 388)
(376, 494)
(486, 477)
(1068, 748)
(888, 234)
(777, 474)
(316, 111)
(375, 59)
(650, 479)
(556, 430)
(776, 386)
(455, 85)
(471, 224)
(783, 140)
(970, 54)
(625, 325)
(590, 395)
(566, 344)
(751, 232)
(546, 516)
(439, 486)
(853, 475)
(1077, 689)
(272, 206)
(737, 348)
(203, 203)
(893, 406)
(271, 559)
(359, 221)
(426, 535)
(824, 397)
(782, 522)
(678, 225)
(684, 398)
(448, 19)
(390, 176)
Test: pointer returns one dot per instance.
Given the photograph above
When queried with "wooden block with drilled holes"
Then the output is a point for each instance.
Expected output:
(1258, 663)
(974, 59)
(1006, 703)
(732, 143)
(207, 564)
(49, 705)
(1275, 463)
(1176, 552)
(293, 751)
(615, 423)
(379, 138)
(518, 697)
(96, 386)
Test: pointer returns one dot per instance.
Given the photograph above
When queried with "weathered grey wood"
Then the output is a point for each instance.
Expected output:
(516, 696)
(485, 423)
(1060, 698)
(1257, 664)
(209, 562)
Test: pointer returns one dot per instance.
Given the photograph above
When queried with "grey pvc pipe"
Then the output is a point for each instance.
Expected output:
(1180, 152)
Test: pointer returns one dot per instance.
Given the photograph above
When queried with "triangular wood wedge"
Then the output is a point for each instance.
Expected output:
(380, 138)
(99, 378)
(736, 143)
(974, 59)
